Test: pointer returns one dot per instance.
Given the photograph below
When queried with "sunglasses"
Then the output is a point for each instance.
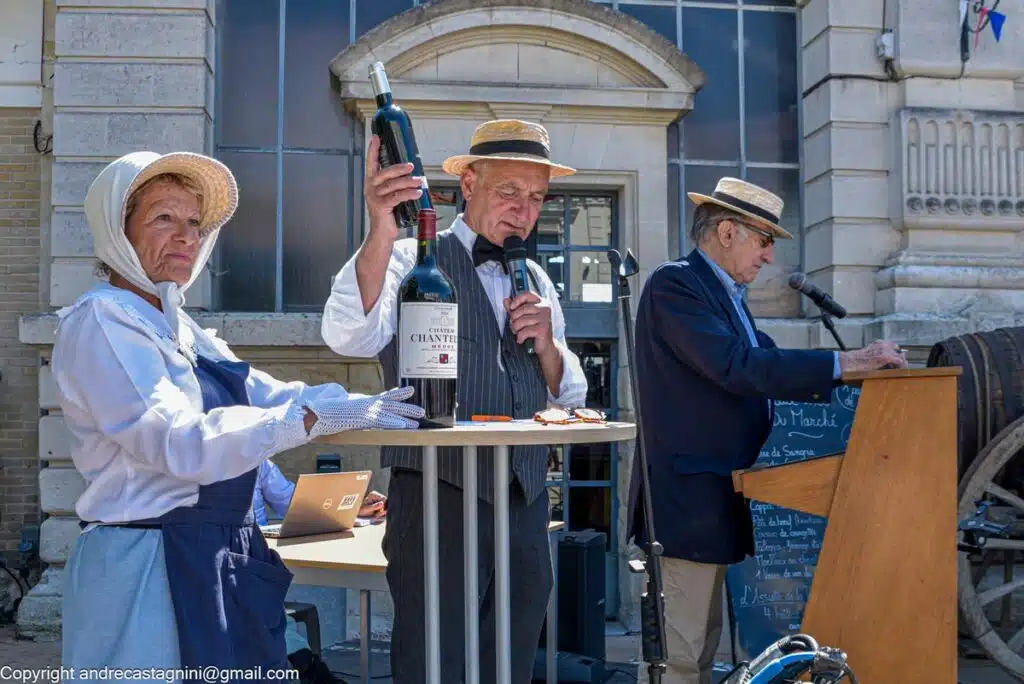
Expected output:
(767, 239)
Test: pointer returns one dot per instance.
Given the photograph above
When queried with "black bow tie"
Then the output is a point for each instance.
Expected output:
(484, 250)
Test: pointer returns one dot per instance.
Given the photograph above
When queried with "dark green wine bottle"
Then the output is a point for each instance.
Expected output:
(428, 331)
(397, 145)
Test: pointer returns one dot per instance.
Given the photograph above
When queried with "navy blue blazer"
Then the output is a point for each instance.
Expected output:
(706, 396)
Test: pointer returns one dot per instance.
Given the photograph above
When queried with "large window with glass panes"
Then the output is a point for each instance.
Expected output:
(298, 154)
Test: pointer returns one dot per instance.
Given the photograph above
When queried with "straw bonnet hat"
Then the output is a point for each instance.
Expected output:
(220, 191)
(747, 199)
(511, 140)
(106, 203)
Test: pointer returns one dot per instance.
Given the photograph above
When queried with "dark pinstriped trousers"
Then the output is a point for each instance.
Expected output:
(530, 581)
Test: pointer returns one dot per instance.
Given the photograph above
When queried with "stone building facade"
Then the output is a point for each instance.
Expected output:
(21, 179)
(902, 167)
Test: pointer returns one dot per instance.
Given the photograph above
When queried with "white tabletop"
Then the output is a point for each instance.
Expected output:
(507, 433)
(355, 550)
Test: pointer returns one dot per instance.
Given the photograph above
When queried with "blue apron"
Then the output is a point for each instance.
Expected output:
(228, 587)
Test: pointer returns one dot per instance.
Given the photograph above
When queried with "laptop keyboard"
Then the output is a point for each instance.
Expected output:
(271, 530)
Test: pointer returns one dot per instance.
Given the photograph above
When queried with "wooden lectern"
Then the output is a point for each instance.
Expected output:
(884, 589)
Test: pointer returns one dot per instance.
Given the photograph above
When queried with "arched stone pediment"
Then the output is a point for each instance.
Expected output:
(541, 55)
(522, 55)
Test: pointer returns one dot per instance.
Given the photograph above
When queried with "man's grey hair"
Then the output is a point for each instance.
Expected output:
(706, 218)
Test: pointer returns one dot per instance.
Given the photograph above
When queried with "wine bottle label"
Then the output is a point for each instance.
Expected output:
(428, 340)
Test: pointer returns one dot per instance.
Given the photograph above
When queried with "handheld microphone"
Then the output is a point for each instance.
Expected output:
(519, 272)
(799, 282)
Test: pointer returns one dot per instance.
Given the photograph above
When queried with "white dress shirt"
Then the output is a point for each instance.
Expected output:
(134, 410)
(350, 332)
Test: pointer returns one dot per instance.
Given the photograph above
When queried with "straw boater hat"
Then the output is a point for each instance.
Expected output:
(508, 139)
(754, 202)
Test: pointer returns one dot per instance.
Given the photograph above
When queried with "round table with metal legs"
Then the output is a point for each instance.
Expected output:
(469, 436)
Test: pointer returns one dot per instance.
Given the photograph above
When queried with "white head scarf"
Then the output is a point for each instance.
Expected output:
(105, 205)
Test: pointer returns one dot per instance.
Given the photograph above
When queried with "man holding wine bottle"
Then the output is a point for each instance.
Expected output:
(451, 289)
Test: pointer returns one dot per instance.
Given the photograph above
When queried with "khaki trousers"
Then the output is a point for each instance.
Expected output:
(693, 620)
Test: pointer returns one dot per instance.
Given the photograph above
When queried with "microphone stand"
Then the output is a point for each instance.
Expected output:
(652, 603)
(827, 320)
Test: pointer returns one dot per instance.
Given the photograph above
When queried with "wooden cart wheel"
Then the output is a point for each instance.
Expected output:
(986, 596)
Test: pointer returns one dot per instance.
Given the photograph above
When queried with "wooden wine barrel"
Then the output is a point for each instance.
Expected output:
(991, 390)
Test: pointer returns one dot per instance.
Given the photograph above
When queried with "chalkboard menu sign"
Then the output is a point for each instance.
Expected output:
(768, 592)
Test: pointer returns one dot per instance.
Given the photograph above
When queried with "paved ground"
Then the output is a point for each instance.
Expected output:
(27, 654)
(620, 650)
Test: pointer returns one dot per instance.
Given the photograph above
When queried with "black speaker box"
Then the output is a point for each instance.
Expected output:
(581, 584)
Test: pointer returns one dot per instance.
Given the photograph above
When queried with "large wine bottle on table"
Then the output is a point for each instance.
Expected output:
(398, 144)
(428, 330)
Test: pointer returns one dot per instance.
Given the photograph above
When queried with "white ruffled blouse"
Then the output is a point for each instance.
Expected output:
(133, 407)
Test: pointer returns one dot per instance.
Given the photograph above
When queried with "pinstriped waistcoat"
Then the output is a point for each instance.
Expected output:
(497, 377)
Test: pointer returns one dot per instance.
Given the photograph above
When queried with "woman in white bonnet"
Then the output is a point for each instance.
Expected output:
(168, 428)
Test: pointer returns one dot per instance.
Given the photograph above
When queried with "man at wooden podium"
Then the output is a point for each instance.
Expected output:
(706, 379)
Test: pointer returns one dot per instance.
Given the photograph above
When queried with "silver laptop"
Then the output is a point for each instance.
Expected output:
(322, 503)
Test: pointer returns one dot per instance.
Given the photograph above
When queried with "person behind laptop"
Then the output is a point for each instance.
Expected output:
(276, 490)
(273, 488)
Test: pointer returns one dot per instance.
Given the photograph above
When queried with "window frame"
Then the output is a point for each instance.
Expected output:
(279, 149)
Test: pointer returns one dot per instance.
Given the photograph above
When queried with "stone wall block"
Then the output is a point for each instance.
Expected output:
(848, 147)
(70, 235)
(70, 278)
(54, 439)
(850, 101)
(39, 614)
(59, 489)
(56, 537)
(112, 134)
(841, 50)
(112, 84)
(47, 389)
(131, 34)
(849, 243)
(365, 378)
(289, 329)
(928, 43)
(853, 287)
(966, 93)
(846, 195)
(71, 180)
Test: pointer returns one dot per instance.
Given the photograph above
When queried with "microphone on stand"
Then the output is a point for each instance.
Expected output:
(829, 307)
(799, 282)
(519, 272)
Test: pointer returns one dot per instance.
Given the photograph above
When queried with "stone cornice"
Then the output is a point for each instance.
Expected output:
(303, 330)
(968, 272)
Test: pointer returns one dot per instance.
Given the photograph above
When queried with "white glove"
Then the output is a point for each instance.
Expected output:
(384, 411)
